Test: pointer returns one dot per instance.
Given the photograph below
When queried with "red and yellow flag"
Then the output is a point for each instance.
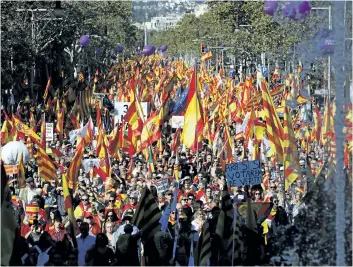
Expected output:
(291, 156)
(47, 89)
(43, 132)
(193, 118)
(46, 167)
(273, 124)
(102, 154)
(59, 128)
(72, 171)
(150, 131)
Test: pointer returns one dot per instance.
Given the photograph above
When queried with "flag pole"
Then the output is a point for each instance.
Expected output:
(234, 225)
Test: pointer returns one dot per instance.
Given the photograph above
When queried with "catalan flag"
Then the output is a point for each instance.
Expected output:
(273, 124)
(47, 89)
(46, 167)
(72, 171)
(193, 118)
(291, 156)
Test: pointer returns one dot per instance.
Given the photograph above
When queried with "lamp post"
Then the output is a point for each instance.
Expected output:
(329, 57)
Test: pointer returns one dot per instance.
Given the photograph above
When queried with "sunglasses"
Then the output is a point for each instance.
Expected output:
(185, 199)
(190, 198)
(86, 199)
(111, 200)
(257, 194)
(273, 187)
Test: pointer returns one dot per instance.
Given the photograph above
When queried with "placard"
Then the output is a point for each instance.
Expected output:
(244, 173)
(177, 122)
(162, 185)
(49, 131)
(11, 169)
(120, 109)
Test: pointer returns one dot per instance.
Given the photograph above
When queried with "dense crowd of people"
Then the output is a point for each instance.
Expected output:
(103, 231)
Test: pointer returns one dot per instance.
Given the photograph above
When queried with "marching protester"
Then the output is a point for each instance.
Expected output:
(137, 190)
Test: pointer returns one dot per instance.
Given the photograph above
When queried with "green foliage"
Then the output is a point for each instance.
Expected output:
(55, 43)
(224, 24)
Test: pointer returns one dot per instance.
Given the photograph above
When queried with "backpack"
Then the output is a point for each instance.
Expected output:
(43, 256)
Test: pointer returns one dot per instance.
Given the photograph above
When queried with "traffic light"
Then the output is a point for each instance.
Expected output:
(203, 47)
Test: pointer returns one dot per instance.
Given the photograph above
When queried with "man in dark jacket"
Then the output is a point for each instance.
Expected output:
(127, 248)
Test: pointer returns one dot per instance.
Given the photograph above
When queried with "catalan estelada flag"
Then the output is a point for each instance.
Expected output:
(193, 118)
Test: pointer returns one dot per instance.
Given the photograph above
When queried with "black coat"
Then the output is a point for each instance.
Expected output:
(126, 250)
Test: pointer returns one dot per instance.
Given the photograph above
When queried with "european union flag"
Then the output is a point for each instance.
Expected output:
(179, 101)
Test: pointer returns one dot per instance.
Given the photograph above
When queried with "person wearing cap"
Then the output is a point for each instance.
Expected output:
(94, 229)
(26, 194)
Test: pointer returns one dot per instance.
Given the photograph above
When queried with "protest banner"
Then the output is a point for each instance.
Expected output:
(244, 173)
(120, 109)
(162, 185)
(49, 134)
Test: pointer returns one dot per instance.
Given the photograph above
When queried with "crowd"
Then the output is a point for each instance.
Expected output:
(104, 230)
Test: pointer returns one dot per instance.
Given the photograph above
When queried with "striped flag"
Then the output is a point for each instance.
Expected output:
(47, 89)
(59, 128)
(234, 251)
(147, 215)
(273, 124)
(72, 171)
(203, 247)
(46, 167)
(291, 156)
(85, 102)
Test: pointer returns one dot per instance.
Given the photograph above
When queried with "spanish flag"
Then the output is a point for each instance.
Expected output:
(102, 154)
(59, 128)
(4, 133)
(47, 89)
(72, 171)
(193, 122)
(150, 132)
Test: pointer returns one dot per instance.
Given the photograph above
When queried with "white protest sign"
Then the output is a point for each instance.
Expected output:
(120, 109)
(244, 173)
(49, 131)
(162, 185)
(177, 122)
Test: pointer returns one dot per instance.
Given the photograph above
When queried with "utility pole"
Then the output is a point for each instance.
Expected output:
(146, 16)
